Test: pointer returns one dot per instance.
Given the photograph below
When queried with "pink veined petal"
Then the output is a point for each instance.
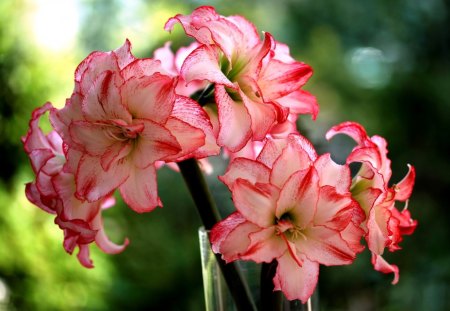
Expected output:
(237, 241)
(140, 190)
(61, 119)
(300, 102)
(222, 229)
(143, 67)
(91, 67)
(249, 170)
(271, 151)
(84, 256)
(353, 233)
(154, 143)
(333, 174)
(367, 198)
(149, 97)
(352, 129)
(296, 282)
(377, 224)
(369, 155)
(103, 101)
(35, 138)
(299, 197)
(192, 24)
(265, 245)
(39, 158)
(123, 54)
(298, 155)
(34, 196)
(262, 114)
(335, 210)
(93, 183)
(256, 204)
(325, 246)
(406, 224)
(189, 137)
(404, 188)
(203, 64)
(91, 137)
(167, 58)
(115, 153)
(234, 119)
(279, 79)
(247, 28)
(383, 266)
(189, 111)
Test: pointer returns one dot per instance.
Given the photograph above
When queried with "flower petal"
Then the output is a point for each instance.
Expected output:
(332, 174)
(325, 246)
(203, 64)
(383, 266)
(249, 170)
(234, 119)
(294, 281)
(404, 188)
(93, 183)
(299, 197)
(154, 143)
(139, 191)
(265, 245)
(149, 97)
(256, 203)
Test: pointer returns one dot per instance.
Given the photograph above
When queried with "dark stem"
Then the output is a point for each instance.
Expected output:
(209, 214)
(270, 300)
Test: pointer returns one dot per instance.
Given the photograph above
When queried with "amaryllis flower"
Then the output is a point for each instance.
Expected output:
(385, 224)
(255, 82)
(53, 191)
(123, 116)
(293, 207)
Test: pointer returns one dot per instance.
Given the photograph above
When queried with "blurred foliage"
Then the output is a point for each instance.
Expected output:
(385, 64)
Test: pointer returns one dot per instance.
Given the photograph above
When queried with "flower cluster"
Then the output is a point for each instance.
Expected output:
(232, 91)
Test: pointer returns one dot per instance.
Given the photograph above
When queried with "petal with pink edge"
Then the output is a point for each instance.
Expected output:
(256, 204)
(93, 183)
(265, 245)
(325, 246)
(140, 190)
(299, 197)
(234, 119)
(296, 282)
(249, 170)
(150, 97)
(103, 101)
(383, 266)
(404, 188)
(203, 64)
(154, 143)
(332, 174)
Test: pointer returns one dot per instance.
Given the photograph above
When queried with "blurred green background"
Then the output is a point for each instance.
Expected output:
(385, 64)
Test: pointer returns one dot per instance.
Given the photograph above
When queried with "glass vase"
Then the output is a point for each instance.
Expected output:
(217, 295)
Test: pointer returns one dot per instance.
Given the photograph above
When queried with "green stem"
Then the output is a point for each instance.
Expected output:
(209, 214)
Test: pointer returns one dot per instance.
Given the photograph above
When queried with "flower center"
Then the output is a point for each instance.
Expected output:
(291, 231)
(121, 131)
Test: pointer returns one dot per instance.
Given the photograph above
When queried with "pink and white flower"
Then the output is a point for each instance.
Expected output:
(256, 82)
(123, 116)
(385, 224)
(293, 207)
(53, 191)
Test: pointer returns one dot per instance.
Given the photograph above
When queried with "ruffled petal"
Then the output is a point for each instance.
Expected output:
(93, 183)
(383, 266)
(265, 245)
(252, 171)
(149, 97)
(203, 64)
